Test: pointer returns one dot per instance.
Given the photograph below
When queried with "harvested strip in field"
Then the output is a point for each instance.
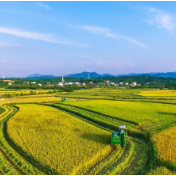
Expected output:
(139, 161)
(56, 139)
(106, 162)
(4, 112)
(124, 161)
(166, 144)
(6, 167)
(143, 113)
(1, 110)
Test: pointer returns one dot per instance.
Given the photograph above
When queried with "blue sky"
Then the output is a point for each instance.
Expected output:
(60, 38)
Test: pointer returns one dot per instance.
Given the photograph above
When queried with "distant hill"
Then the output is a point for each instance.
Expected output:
(96, 75)
(84, 75)
(40, 76)
(165, 74)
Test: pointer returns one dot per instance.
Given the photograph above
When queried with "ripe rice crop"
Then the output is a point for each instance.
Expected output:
(161, 171)
(166, 144)
(102, 93)
(12, 162)
(158, 93)
(56, 139)
(143, 113)
(2, 92)
(31, 99)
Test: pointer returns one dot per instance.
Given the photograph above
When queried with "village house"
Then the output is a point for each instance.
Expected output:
(134, 83)
(83, 84)
(106, 81)
(9, 83)
(60, 84)
(77, 83)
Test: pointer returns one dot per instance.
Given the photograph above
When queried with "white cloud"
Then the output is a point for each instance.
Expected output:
(38, 36)
(40, 4)
(95, 29)
(161, 19)
(5, 61)
(108, 33)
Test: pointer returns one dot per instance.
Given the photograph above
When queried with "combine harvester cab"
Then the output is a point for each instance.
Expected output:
(119, 137)
(115, 138)
(65, 99)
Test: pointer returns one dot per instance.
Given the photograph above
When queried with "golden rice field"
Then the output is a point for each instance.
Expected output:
(166, 144)
(2, 92)
(30, 99)
(158, 93)
(57, 139)
(102, 93)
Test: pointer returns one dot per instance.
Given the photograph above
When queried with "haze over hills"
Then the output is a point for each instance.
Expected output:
(96, 75)
(40, 76)
(87, 75)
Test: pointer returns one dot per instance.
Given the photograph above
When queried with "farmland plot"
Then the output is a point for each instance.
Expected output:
(145, 114)
(56, 139)
(74, 137)
(158, 93)
(165, 141)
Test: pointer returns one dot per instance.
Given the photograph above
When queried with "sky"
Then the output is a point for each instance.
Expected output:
(62, 38)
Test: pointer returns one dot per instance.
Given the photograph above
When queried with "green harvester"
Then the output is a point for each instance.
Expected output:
(119, 137)
(65, 99)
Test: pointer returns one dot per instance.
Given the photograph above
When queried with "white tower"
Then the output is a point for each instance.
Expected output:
(62, 79)
(88, 76)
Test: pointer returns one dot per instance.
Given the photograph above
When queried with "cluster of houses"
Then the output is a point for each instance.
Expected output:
(8, 81)
(68, 83)
(121, 83)
(106, 82)
(59, 83)
(62, 83)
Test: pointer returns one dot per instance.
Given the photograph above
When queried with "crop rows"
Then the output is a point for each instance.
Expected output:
(165, 141)
(12, 162)
(55, 139)
(17, 154)
(133, 158)
(145, 115)
(104, 120)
